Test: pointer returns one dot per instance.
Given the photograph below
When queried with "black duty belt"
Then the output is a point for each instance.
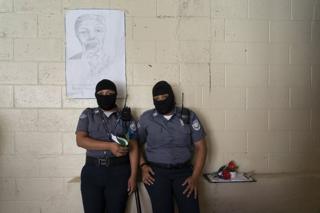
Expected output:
(171, 166)
(107, 162)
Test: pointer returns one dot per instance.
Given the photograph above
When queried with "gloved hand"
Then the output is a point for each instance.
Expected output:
(126, 114)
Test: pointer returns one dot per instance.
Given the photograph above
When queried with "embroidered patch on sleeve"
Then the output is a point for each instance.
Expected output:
(82, 116)
(196, 125)
(133, 126)
(181, 122)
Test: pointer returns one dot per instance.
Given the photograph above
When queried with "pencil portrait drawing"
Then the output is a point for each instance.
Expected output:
(95, 50)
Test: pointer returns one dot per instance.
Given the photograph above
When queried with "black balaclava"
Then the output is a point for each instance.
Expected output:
(106, 102)
(165, 106)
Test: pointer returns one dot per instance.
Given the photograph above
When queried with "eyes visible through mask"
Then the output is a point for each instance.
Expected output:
(106, 92)
(163, 103)
(106, 99)
(161, 97)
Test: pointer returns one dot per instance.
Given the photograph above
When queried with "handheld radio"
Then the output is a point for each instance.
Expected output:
(126, 111)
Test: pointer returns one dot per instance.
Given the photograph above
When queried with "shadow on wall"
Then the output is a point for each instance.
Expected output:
(211, 148)
(2, 141)
(6, 141)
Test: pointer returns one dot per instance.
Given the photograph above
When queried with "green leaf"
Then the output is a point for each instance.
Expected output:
(121, 141)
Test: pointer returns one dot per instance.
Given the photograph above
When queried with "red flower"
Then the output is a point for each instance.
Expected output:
(232, 166)
(226, 174)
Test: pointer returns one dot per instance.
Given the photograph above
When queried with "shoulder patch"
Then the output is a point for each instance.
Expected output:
(83, 116)
(196, 125)
(133, 126)
(154, 114)
(96, 111)
(181, 122)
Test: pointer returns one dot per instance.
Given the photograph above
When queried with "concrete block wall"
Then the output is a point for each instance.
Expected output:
(249, 68)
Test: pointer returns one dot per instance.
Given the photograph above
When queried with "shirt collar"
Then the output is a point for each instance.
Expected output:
(115, 111)
(156, 113)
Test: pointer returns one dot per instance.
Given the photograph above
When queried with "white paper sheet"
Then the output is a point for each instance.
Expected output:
(240, 177)
(95, 50)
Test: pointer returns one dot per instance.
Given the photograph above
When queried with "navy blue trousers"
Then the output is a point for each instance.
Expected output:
(168, 187)
(105, 189)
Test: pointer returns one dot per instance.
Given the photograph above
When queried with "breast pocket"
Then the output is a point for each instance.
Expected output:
(120, 131)
(157, 136)
(97, 131)
(182, 135)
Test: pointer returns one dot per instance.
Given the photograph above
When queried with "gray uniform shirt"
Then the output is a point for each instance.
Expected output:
(169, 141)
(100, 127)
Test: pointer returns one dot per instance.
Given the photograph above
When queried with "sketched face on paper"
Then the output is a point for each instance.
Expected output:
(91, 30)
(94, 50)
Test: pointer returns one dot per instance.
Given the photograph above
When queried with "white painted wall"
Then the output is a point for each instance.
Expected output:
(249, 68)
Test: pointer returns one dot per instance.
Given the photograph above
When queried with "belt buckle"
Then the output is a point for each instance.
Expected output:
(104, 162)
